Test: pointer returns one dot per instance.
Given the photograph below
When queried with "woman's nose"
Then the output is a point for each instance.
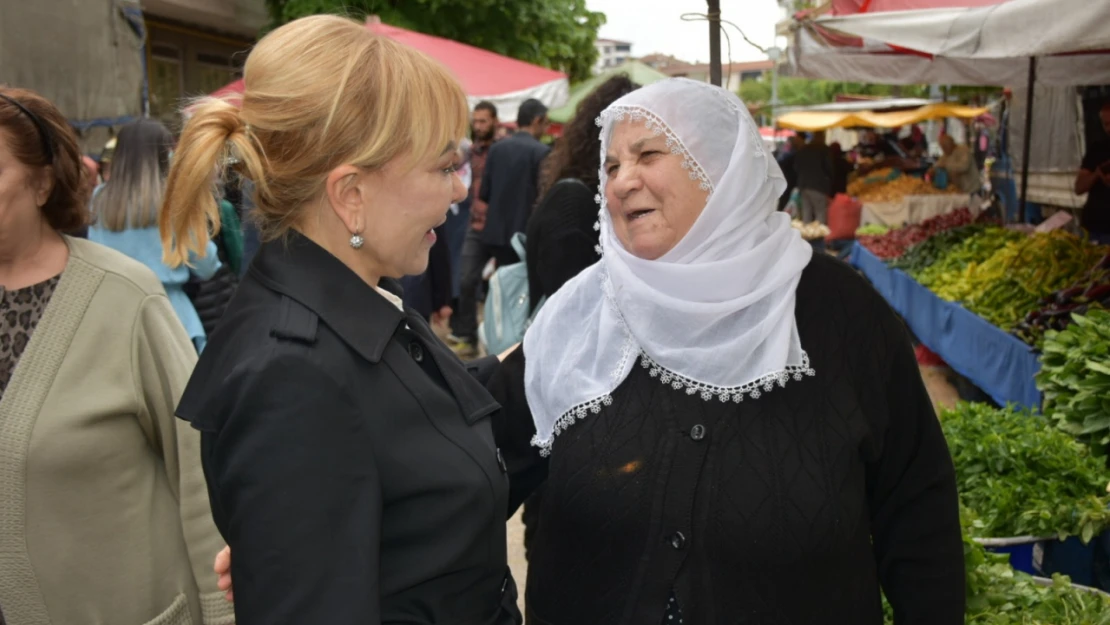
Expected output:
(625, 181)
(459, 191)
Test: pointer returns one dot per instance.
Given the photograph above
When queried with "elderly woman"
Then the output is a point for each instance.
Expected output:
(731, 429)
(103, 512)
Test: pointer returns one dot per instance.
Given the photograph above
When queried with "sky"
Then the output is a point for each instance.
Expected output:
(656, 26)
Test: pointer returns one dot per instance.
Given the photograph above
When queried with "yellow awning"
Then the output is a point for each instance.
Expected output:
(820, 120)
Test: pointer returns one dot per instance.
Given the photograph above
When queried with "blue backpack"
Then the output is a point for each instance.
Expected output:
(506, 314)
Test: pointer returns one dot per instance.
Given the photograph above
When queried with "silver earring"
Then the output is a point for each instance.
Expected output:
(356, 241)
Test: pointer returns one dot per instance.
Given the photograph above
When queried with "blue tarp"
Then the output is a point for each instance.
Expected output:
(993, 360)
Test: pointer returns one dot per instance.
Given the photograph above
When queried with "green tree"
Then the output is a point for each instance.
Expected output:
(558, 34)
(805, 91)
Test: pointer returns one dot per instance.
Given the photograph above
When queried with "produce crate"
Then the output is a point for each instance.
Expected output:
(1076, 560)
(1044, 581)
(1026, 552)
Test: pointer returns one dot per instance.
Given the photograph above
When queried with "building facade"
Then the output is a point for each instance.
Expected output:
(122, 59)
(611, 53)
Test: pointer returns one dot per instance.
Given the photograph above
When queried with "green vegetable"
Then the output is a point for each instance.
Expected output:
(999, 595)
(1023, 477)
(951, 268)
(872, 230)
(1075, 378)
(929, 251)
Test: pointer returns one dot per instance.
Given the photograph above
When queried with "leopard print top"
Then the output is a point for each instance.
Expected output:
(20, 311)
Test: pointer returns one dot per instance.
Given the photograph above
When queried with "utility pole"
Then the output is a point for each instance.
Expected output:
(715, 42)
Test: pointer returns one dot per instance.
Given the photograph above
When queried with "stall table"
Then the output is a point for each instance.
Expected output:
(912, 209)
(995, 361)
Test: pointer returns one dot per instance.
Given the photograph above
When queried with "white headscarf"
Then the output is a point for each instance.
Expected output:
(714, 315)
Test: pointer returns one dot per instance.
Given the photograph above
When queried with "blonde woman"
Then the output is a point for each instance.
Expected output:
(349, 454)
(125, 212)
(103, 512)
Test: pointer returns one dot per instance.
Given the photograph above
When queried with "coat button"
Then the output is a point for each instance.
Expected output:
(697, 432)
(678, 540)
(416, 351)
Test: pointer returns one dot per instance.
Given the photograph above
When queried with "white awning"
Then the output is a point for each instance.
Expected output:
(969, 46)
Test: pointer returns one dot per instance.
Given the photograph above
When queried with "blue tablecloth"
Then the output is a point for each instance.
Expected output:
(993, 360)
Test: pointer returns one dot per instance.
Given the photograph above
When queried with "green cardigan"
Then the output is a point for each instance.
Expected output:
(104, 516)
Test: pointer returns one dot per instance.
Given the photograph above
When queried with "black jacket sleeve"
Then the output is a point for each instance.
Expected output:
(300, 494)
(915, 519)
(513, 430)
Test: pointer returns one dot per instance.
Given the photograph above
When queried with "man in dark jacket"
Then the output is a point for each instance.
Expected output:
(509, 185)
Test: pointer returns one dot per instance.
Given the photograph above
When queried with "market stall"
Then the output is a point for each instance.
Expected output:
(995, 361)
(484, 75)
(888, 197)
(983, 296)
(1013, 43)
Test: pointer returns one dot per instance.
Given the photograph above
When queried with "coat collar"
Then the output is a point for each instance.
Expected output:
(302, 270)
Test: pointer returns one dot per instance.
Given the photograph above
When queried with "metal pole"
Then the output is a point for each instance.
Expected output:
(1027, 140)
(715, 42)
(774, 93)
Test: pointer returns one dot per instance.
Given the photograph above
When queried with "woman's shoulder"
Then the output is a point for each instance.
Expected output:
(116, 266)
(839, 290)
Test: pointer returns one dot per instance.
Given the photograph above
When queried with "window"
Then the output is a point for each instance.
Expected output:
(166, 81)
(212, 72)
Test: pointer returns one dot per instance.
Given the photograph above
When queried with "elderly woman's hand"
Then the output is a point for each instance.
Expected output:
(508, 352)
(222, 567)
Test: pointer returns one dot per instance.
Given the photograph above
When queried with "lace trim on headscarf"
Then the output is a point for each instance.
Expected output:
(708, 392)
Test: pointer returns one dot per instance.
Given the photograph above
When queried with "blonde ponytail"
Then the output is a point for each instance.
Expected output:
(190, 214)
(319, 92)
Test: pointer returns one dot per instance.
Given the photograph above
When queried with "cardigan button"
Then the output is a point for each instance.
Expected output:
(678, 540)
(697, 432)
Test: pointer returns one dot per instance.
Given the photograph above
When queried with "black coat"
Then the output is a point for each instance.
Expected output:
(792, 507)
(349, 455)
(510, 184)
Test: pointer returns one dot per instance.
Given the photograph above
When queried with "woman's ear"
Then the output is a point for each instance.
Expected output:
(43, 185)
(347, 197)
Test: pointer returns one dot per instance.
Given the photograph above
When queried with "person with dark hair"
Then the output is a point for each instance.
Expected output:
(125, 217)
(467, 254)
(509, 185)
(561, 239)
(106, 519)
(1094, 180)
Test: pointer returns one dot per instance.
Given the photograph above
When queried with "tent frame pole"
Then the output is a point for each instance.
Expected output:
(714, 15)
(1027, 140)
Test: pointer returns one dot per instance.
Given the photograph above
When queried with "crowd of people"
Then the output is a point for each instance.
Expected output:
(224, 347)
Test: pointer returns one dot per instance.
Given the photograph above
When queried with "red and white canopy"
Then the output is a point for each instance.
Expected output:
(981, 42)
(484, 75)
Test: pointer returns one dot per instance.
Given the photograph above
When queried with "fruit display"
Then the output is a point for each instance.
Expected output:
(895, 243)
(1075, 378)
(811, 231)
(896, 190)
(875, 178)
